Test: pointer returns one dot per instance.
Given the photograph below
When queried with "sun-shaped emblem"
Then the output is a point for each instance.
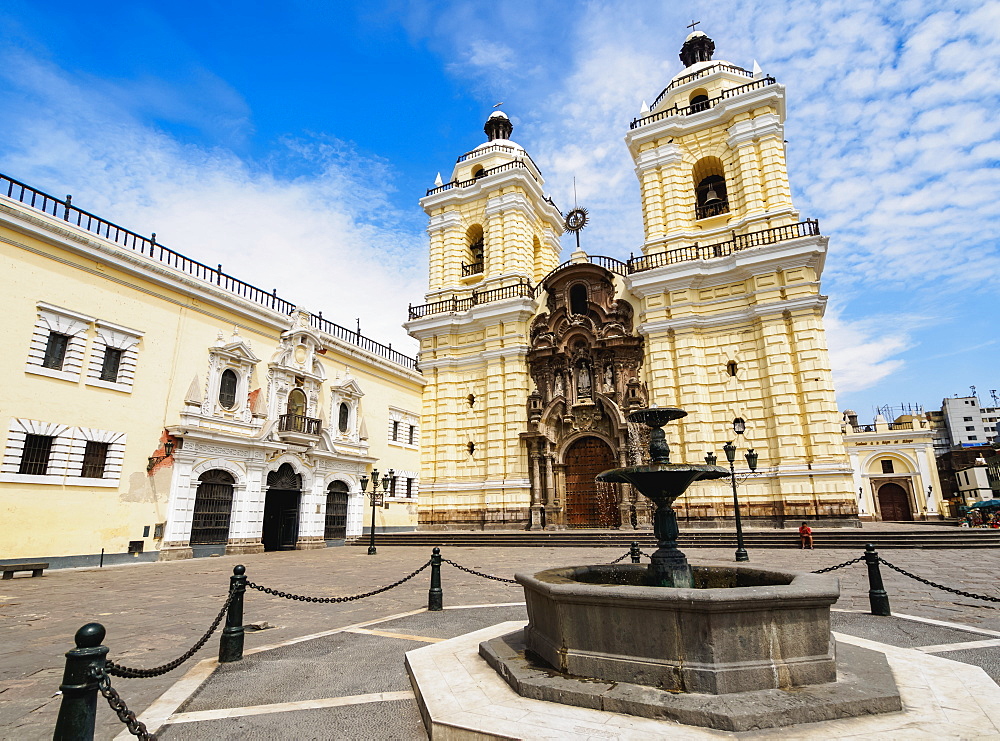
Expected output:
(576, 219)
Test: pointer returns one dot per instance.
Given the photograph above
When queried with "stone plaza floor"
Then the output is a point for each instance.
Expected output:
(350, 676)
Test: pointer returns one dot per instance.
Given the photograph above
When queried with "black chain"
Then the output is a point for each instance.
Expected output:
(480, 573)
(325, 600)
(621, 558)
(118, 670)
(929, 583)
(135, 726)
(840, 565)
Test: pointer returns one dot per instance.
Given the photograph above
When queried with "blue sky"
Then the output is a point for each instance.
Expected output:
(291, 142)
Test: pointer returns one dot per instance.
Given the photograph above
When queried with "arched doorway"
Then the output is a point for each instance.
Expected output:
(213, 506)
(894, 502)
(589, 504)
(336, 511)
(281, 509)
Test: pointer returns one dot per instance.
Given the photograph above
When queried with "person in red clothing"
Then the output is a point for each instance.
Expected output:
(805, 536)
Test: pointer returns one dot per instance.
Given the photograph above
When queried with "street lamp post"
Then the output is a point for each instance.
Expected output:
(739, 427)
(376, 501)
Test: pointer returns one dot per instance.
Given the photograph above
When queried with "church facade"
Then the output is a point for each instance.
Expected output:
(531, 367)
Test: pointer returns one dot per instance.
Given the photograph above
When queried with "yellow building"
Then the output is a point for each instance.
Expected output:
(155, 407)
(895, 471)
(531, 368)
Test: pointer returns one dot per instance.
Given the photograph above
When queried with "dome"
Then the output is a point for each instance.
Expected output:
(498, 126)
(697, 48)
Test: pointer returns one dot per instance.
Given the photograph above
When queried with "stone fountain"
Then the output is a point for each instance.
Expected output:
(729, 647)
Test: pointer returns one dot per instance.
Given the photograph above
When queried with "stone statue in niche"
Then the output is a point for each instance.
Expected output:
(609, 379)
(560, 391)
(583, 381)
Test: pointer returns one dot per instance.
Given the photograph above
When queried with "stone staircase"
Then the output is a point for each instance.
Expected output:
(842, 538)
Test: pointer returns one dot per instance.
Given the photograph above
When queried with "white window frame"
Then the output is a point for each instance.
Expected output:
(64, 321)
(405, 419)
(117, 338)
(66, 455)
(401, 477)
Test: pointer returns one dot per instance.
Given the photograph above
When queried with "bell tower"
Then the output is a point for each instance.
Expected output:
(494, 235)
(728, 291)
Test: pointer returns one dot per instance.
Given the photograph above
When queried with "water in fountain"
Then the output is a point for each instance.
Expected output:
(638, 443)
(607, 499)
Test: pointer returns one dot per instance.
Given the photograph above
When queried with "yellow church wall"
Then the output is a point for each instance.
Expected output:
(179, 319)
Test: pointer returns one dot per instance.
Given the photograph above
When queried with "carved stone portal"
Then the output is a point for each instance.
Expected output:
(584, 360)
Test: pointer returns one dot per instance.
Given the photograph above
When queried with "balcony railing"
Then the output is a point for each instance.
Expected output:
(863, 428)
(900, 425)
(471, 269)
(515, 165)
(711, 209)
(608, 263)
(704, 72)
(807, 228)
(702, 105)
(455, 304)
(149, 247)
(299, 423)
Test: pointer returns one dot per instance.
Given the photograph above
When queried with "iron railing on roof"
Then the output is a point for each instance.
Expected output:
(497, 147)
(365, 343)
(513, 165)
(455, 304)
(704, 72)
(703, 105)
(807, 228)
(149, 247)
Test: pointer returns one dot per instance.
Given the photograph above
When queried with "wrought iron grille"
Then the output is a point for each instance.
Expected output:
(95, 456)
(471, 269)
(35, 456)
(227, 388)
(336, 511)
(213, 505)
(55, 350)
(112, 361)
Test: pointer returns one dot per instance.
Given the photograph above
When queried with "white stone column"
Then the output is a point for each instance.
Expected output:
(180, 510)
(926, 479)
(247, 516)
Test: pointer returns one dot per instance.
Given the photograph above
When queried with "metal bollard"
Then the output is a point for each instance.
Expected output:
(231, 641)
(435, 596)
(78, 710)
(877, 596)
(634, 551)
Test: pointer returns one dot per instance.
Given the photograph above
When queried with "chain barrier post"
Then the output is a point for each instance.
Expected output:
(231, 640)
(78, 710)
(435, 596)
(877, 596)
(634, 551)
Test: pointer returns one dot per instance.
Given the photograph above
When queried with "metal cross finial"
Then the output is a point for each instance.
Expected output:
(693, 24)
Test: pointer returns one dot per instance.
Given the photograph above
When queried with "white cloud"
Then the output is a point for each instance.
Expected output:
(863, 352)
(329, 240)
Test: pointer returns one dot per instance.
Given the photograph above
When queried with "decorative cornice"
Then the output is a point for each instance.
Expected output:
(745, 132)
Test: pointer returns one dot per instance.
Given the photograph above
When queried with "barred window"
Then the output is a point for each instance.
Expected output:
(395, 430)
(413, 432)
(94, 457)
(392, 487)
(112, 360)
(227, 389)
(345, 417)
(35, 456)
(887, 466)
(409, 488)
(55, 350)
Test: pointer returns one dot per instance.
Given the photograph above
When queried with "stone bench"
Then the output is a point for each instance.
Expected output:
(10, 569)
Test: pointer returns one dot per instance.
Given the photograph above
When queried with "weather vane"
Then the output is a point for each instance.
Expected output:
(576, 219)
(497, 105)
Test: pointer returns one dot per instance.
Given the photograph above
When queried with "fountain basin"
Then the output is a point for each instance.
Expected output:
(740, 629)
